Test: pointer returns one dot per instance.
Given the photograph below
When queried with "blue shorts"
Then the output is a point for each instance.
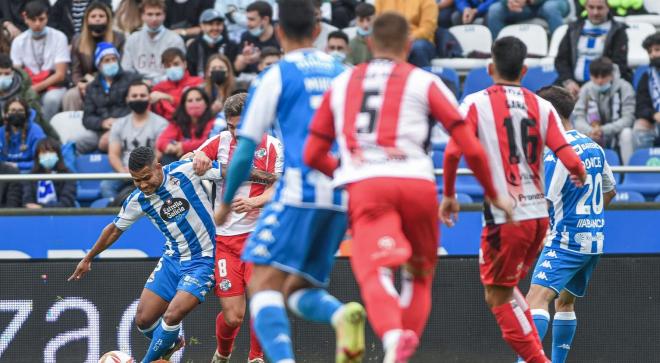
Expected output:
(301, 241)
(559, 269)
(194, 276)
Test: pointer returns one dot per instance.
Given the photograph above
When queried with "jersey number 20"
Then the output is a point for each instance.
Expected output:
(595, 191)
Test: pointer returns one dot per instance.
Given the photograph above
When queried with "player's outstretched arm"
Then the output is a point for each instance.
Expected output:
(109, 235)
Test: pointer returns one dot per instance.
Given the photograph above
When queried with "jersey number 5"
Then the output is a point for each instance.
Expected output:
(370, 111)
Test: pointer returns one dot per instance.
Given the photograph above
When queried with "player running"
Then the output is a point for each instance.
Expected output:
(513, 125)
(298, 233)
(577, 220)
(232, 274)
(379, 115)
(174, 200)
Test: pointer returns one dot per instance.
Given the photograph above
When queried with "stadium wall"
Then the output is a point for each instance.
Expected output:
(43, 318)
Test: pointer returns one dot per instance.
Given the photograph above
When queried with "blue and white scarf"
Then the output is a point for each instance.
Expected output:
(46, 192)
(654, 87)
(590, 46)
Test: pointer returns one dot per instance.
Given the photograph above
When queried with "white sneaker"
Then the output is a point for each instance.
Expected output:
(219, 358)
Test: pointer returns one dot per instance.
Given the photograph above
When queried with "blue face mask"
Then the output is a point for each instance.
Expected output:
(174, 74)
(156, 30)
(211, 41)
(339, 56)
(48, 160)
(256, 32)
(605, 87)
(38, 34)
(6, 81)
(110, 70)
(363, 32)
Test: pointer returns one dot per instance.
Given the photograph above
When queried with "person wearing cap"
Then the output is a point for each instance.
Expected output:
(105, 99)
(214, 39)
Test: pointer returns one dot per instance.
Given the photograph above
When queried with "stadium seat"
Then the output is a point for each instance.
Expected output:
(628, 197)
(100, 203)
(68, 125)
(639, 72)
(653, 7)
(471, 38)
(645, 183)
(657, 199)
(613, 159)
(476, 80)
(539, 77)
(555, 40)
(468, 184)
(448, 75)
(534, 36)
(89, 190)
(637, 32)
(463, 198)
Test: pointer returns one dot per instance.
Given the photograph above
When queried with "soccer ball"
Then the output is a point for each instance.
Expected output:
(116, 357)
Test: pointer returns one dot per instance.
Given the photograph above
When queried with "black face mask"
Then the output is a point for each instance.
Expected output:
(655, 62)
(138, 106)
(218, 77)
(97, 28)
(16, 119)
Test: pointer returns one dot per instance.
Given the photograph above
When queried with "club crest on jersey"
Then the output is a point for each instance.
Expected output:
(259, 154)
(174, 209)
(224, 285)
(174, 181)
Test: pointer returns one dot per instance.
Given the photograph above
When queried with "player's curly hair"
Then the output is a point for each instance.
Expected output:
(141, 157)
(234, 105)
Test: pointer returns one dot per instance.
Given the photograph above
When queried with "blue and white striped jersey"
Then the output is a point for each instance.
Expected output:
(180, 209)
(577, 217)
(286, 95)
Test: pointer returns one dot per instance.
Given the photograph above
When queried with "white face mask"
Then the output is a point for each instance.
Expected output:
(338, 55)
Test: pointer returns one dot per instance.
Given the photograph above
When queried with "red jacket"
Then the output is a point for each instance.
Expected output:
(174, 133)
(174, 89)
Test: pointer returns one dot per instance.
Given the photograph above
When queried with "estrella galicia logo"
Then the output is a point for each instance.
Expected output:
(174, 209)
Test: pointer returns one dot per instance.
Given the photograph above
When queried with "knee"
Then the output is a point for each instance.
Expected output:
(565, 305)
(234, 317)
(497, 10)
(143, 320)
(173, 316)
(555, 8)
(53, 97)
(497, 295)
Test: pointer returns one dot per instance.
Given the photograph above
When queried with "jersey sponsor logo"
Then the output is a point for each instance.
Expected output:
(551, 254)
(224, 285)
(530, 197)
(546, 264)
(541, 276)
(591, 223)
(174, 209)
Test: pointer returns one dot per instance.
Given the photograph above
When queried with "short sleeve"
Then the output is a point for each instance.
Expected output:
(261, 106)
(130, 212)
(62, 53)
(115, 131)
(608, 178)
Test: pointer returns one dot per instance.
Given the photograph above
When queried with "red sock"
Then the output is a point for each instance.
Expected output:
(255, 346)
(518, 332)
(225, 335)
(381, 301)
(415, 301)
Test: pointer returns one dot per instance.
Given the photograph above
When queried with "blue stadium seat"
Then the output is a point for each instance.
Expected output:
(89, 190)
(448, 75)
(437, 156)
(477, 80)
(463, 198)
(657, 199)
(645, 183)
(639, 71)
(613, 159)
(100, 203)
(628, 197)
(539, 77)
(468, 184)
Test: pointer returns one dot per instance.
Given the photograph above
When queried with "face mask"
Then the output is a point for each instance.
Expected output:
(39, 34)
(110, 69)
(363, 32)
(218, 77)
(256, 32)
(156, 30)
(655, 62)
(48, 160)
(195, 109)
(605, 87)
(16, 119)
(97, 28)
(6, 81)
(210, 40)
(174, 74)
(139, 106)
(339, 56)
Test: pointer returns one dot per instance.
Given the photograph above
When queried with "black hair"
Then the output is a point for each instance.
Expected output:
(49, 144)
(362, 10)
(35, 8)
(262, 8)
(5, 61)
(339, 35)
(297, 19)
(24, 131)
(184, 121)
(560, 99)
(234, 105)
(140, 158)
(509, 57)
(169, 54)
(269, 51)
(651, 40)
(135, 83)
(601, 67)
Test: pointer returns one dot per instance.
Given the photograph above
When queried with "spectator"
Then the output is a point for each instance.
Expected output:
(467, 11)
(96, 28)
(321, 40)
(11, 16)
(337, 45)
(646, 132)
(343, 12)
(597, 36)
(445, 10)
(183, 16)
(11, 192)
(269, 55)
(165, 95)
(143, 49)
(358, 49)
(422, 16)
(605, 109)
(620, 7)
(139, 128)
(219, 81)
(190, 127)
(128, 16)
(43, 53)
(49, 193)
(213, 40)
(15, 83)
(105, 100)
(19, 135)
(260, 34)
(67, 15)
(505, 12)
(235, 12)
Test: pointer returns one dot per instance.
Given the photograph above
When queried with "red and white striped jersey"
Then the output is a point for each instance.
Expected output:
(268, 157)
(381, 114)
(513, 125)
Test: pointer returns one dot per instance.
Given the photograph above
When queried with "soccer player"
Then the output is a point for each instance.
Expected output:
(299, 231)
(232, 274)
(174, 200)
(513, 125)
(576, 238)
(379, 115)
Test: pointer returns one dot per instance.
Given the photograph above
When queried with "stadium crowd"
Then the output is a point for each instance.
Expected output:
(156, 73)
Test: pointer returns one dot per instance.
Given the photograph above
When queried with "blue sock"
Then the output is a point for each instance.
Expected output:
(541, 320)
(563, 331)
(163, 338)
(314, 305)
(149, 332)
(272, 325)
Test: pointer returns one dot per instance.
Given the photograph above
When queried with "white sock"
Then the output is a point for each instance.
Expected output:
(391, 338)
(334, 320)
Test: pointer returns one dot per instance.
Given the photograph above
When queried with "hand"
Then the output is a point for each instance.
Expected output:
(178, 148)
(448, 212)
(201, 163)
(578, 180)
(84, 266)
(445, 4)
(107, 123)
(656, 117)
(12, 29)
(33, 206)
(516, 6)
(596, 132)
(504, 203)
(157, 96)
(468, 15)
(240, 205)
(221, 214)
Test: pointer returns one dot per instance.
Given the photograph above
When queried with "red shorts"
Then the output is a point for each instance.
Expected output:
(231, 273)
(394, 222)
(508, 250)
